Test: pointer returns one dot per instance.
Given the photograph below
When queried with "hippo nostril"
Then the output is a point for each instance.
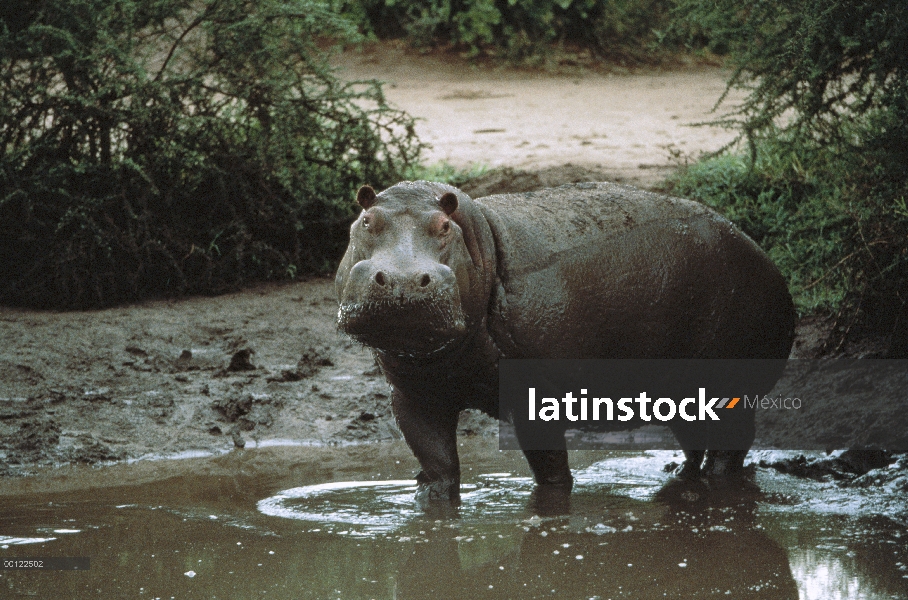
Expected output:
(380, 278)
(426, 280)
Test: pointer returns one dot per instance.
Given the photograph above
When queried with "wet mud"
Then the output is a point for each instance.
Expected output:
(861, 466)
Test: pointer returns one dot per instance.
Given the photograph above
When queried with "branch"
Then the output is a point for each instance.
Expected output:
(198, 21)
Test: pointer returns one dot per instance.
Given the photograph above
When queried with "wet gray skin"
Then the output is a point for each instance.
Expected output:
(441, 287)
(242, 525)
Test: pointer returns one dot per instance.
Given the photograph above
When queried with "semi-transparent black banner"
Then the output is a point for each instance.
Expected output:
(827, 404)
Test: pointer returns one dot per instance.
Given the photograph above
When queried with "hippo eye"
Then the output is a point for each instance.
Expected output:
(366, 222)
(446, 227)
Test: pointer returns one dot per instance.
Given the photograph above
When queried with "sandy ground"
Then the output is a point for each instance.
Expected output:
(633, 127)
(266, 365)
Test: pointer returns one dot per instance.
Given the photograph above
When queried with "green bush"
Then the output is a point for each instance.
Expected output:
(163, 147)
(521, 28)
(824, 184)
(838, 234)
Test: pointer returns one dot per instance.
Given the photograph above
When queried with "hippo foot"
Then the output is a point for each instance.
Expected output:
(551, 500)
(724, 464)
(687, 471)
(439, 491)
(690, 468)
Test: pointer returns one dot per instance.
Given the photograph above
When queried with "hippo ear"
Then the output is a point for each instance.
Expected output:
(448, 202)
(366, 196)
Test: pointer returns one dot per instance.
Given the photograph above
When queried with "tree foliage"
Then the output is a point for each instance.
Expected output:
(161, 147)
(813, 67)
(521, 28)
(826, 121)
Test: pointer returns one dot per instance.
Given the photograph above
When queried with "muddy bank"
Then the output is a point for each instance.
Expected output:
(858, 466)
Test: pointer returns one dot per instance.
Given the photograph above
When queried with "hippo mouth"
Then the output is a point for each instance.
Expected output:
(411, 328)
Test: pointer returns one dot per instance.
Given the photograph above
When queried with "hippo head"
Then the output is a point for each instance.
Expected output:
(407, 284)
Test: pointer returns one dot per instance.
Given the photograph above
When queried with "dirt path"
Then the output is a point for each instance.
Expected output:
(621, 125)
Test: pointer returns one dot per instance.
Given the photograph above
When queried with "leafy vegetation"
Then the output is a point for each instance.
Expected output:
(445, 172)
(813, 67)
(824, 185)
(518, 29)
(164, 147)
(835, 239)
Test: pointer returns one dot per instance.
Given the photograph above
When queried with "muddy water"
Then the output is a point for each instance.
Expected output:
(341, 523)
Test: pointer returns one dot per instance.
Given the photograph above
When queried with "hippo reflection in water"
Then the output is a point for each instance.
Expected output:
(672, 548)
(441, 287)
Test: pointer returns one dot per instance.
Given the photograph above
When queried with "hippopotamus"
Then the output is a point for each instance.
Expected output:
(441, 287)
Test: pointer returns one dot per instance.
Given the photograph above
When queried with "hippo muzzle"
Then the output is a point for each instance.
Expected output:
(413, 310)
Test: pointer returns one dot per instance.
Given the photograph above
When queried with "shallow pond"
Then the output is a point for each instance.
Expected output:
(298, 522)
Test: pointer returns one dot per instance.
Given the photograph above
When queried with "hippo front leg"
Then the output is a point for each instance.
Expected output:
(431, 432)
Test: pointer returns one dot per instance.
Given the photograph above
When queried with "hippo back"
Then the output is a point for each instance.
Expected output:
(600, 270)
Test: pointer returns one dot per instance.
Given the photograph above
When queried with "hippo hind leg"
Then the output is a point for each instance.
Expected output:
(690, 468)
(724, 463)
(546, 452)
(550, 467)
